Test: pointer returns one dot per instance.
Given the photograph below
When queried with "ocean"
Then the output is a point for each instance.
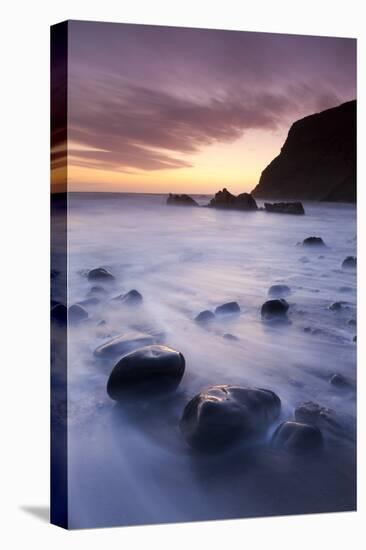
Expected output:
(129, 464)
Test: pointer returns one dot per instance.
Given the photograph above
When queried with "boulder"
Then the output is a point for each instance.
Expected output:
(221, 416)
(77, 313)
(131, 298)
(297, 437)
(181, 200)
(329, 421)
(314, 242)
(149, 370)
(92, 301)
(310, 412)
(274, 309)
(285, 207)
(59, 313)
(97, 290)
(225, 200)
(339, 381)
(100, 274)
(230, 308)
(204, 317)
(124, 343)
(337, 306)
(349, 263)
(279, 290)
(231, 337)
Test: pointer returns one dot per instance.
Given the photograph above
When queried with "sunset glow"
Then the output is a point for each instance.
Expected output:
(160, 109)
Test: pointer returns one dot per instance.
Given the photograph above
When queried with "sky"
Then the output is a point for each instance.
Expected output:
(165, 109)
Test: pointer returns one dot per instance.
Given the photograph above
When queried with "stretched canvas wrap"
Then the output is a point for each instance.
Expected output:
(203, 275)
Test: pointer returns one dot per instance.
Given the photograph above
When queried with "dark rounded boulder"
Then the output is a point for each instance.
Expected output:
(204, 317)
(100, 274)
(59, 313)
(337, 306)
(131, 298)
(150, 370)
(339, 381)
(97, 290)
(222, 416)
(349, 263)
(313, 241)
(124, 343)
(297, 437)
(77, 313)
(229, 336)
(92, 301)
(230, 308)
(279, 290)
(310, 412)
(273, 309)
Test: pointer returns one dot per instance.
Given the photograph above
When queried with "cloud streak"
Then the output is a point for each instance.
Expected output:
(149, 98)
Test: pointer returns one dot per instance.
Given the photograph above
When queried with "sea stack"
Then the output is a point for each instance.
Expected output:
(226, 200)
(181, 200)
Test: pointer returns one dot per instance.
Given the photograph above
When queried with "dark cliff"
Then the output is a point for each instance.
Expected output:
(317, 161)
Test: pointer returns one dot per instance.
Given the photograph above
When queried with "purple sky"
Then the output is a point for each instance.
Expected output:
(146, 99)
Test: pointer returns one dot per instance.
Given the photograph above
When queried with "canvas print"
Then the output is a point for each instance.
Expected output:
(203, 277)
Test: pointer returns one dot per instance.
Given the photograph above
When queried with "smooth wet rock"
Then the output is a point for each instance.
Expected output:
(285, 207)
(131, 298)
(100, 274)
(149, 370)
(273, 309)
(339, 381)
(181, 200)
(225, 200)
(297, 437)
(92, 301)
(204, 317)
(77, 313)
(349, 263)
(124, 343)
(313, 241)
(97, 290)
(337, 306)
(230, 308)
(310, 412)
(222, 416)
(59, 313)
(279, 290)
(229, 336)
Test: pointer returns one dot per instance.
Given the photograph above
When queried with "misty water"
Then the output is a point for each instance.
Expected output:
(129, 464)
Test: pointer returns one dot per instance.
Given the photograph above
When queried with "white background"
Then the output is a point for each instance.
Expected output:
(24, 298)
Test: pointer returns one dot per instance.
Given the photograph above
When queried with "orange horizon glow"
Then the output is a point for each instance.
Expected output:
(236, 165)
(149, 109)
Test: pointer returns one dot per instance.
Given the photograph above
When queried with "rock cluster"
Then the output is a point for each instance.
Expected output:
(225, 200)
